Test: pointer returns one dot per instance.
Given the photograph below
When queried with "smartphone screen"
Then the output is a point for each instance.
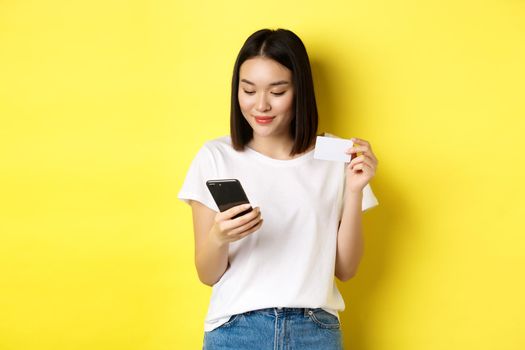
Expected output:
(228, 193)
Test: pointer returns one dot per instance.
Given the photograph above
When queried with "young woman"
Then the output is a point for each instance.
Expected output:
(272, 269)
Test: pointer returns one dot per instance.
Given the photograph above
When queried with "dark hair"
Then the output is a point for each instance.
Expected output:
(285, 47)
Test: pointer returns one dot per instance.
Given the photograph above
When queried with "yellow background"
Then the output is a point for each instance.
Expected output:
(103, 104)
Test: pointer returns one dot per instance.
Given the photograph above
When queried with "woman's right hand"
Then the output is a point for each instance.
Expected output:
(226, 230)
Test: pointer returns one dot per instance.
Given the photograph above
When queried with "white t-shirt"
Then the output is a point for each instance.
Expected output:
(290, 260)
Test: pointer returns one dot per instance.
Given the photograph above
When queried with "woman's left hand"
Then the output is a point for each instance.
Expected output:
(362, 168)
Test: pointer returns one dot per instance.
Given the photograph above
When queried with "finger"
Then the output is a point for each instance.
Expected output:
(356, 160)
(368, 163)
(230, 213)
(365, 168)
(245, 219)
(358, 167)
(356, 149)
(364, 157)
(363, 149)
(232, 224)
(363, 162)
(252, 230)
(241, 220)
(359, 150)
(360, 141)
(371, 157)
(249, 227)
(249, 230)
(360, 159)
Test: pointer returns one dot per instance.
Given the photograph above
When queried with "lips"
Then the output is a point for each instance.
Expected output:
(263, 119)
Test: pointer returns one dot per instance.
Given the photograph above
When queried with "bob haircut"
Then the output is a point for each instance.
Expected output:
(285, 47)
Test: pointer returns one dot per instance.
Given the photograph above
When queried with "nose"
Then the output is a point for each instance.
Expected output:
(262, 103)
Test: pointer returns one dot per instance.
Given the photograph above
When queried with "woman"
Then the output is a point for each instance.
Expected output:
(272, 269)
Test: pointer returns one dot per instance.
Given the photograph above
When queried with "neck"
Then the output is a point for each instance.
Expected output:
(277, 147)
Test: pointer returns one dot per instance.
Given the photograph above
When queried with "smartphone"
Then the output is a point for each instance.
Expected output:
(228, 193)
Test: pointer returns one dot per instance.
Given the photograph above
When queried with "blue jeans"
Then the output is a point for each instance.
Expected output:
(277, 329)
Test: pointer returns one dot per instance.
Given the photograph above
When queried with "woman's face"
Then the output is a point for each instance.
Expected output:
(266, 96)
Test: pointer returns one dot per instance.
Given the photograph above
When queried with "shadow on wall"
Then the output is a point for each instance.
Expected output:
(361, 292)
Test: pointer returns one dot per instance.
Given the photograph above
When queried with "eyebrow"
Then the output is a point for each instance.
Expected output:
(280, 82)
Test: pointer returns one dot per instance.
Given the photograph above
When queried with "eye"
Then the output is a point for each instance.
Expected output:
(278, 93)
(249, 92)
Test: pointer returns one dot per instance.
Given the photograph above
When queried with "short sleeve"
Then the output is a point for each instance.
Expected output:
(202, 169)
(369, 199)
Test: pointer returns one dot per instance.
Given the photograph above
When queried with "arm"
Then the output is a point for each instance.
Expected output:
(211, 257)
(350, 245)
(213, 233)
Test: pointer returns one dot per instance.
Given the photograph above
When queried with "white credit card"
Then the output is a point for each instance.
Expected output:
(332, 148)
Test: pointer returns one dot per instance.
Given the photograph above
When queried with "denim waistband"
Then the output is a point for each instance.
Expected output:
(275, 311)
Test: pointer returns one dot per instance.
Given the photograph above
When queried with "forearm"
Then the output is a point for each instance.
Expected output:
(350, 243)
(212, 260)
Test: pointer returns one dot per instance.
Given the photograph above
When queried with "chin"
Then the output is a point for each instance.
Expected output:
(263, 133)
